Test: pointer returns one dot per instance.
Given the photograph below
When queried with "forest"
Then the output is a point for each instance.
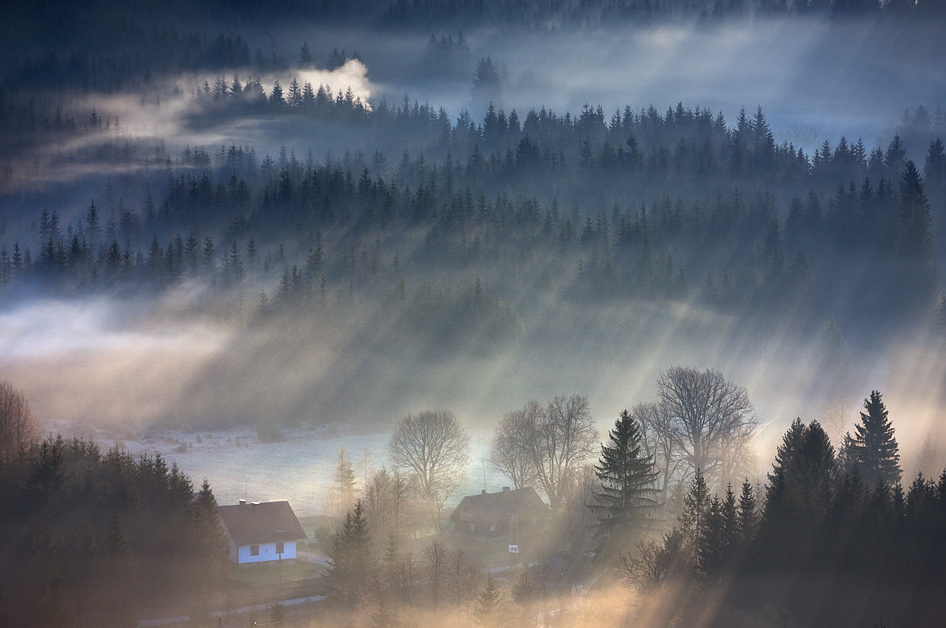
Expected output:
(102, 537)
(370, 218)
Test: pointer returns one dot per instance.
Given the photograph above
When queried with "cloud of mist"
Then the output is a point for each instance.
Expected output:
(159, 123)
(815, 80)
(102, 364)
(94, 361)
(99, 362)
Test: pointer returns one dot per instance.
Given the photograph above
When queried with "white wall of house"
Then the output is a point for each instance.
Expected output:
(267, 552)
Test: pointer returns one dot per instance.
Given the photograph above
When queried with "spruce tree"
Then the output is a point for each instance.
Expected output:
(804, 471)
(627, 491)
(747, 518)
(695, 506)
(798, 496)
(730, 512)
(913, 239)
(350, 558)
(717, 536)
(344, 487)
(489, 604)
(873, 449)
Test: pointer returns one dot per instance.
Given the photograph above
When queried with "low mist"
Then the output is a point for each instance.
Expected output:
(266, 248)
(114, 366)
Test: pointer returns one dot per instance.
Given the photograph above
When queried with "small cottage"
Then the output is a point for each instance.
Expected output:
(261, 532)
(499, 513)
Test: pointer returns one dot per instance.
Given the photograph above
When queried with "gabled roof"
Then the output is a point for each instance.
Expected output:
(265, 522)
(503, 506)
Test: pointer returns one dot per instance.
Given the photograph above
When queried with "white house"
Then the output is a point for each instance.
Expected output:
(261, 532)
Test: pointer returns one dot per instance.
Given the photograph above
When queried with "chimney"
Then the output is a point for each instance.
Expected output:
(243, 502)
(505, 489)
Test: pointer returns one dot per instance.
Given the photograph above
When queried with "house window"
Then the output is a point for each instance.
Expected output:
(254, 550)
(280, 548)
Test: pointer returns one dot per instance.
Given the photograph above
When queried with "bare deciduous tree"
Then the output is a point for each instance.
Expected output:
(710, 420)
(565, 438)
(546, 446)
(658, 443)
(509, 454)
(654, 563)
(435, 448)
(436, 557)
(836, 422)
(465, 577)
(17, 424)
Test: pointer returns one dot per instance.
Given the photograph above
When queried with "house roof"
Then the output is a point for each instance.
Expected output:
(502, 506)
(265, 522)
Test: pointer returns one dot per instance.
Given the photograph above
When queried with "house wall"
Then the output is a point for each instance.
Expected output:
(267, 552)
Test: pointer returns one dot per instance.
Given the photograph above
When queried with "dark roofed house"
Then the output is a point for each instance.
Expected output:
(497, 513)
(261, 532)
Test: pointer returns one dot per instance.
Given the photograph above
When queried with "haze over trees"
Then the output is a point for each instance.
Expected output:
(101, 537)
(344, 486)
(17, 423)
(649, 209)
(813, 531)
(218, 213)
(818, 524)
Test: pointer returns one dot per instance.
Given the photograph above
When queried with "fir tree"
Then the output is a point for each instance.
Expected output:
(712, 549)
(344, 488)
(489, 604)
(350, 558)
(747, 517)
(913, 239)
(627, 480)
(804, 471)
(873, 449)
(695, 505)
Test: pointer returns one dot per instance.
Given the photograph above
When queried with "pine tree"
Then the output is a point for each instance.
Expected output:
(627, 479)
(695, 505)
(804, 471)
(748, 516)
(210, 535)
(350, 558)
(276, 96)
(934, 170)
(913, 239)
(306, 59)
(712, 550)
(294, 97)
(873, 449)
(730, 512)
(344, 488)
(384, 617)
(386, 581)
(798, 496)
(489, 604)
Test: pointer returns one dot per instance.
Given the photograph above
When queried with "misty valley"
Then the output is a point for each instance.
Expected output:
(520, 313)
